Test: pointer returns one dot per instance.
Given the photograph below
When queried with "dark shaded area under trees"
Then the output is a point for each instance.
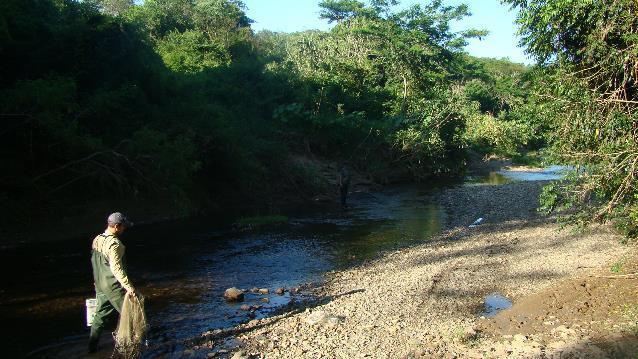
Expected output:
(179, 102)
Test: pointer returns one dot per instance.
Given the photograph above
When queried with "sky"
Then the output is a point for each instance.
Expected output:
(299, 15)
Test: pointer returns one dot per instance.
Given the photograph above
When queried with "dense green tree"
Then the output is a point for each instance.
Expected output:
(113, 7)
(588, 49)
(340, 10)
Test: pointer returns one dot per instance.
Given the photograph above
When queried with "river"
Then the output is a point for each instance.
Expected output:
(184, 267)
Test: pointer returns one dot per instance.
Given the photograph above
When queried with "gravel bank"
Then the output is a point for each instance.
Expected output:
(427, 300)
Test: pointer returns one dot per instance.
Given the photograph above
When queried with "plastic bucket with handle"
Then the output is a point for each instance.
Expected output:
(91, 307)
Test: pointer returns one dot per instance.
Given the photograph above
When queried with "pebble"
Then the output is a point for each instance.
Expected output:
(240, 355)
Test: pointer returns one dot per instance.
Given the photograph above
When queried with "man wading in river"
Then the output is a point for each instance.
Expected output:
(109, 274)
(344, 183)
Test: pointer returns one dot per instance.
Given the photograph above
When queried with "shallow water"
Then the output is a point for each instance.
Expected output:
(494, 303)
(550, 173)
(184, 268)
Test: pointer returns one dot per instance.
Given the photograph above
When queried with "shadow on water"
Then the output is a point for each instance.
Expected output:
(183, 269)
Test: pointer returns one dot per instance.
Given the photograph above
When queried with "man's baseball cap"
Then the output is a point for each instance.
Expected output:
(119, 218)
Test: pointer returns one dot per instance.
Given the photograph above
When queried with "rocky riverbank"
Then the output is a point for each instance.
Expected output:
(428, 300)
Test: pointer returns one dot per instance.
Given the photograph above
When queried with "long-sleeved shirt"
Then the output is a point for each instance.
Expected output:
(109, 268)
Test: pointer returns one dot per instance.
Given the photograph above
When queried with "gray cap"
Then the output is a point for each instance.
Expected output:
(119, 218)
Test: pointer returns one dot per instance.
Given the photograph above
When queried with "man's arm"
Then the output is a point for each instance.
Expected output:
(116, 253)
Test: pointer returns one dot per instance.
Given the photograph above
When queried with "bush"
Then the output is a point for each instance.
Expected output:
(487, 133)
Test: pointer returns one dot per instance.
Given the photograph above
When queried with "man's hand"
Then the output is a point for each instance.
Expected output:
(131, 291)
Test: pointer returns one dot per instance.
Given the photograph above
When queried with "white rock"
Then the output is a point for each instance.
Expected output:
(240, 355)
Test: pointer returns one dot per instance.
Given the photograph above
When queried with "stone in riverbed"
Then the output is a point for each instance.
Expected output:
(240, 355)
(265, 300)
(254, 290)
(323, 318)
(470, 333)
(245, 307)
(264, 291)
(280, 291)
(234, 295)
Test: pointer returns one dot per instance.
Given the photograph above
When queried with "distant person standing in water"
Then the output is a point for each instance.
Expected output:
(109, 273)
(344, 183)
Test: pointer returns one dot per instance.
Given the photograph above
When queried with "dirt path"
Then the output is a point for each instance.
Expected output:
(426, 301)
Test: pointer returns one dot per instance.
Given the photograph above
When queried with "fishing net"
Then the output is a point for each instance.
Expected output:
(131, 328)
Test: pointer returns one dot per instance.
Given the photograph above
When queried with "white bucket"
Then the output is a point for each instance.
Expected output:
(91, 307)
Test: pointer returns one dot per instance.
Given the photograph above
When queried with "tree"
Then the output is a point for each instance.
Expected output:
(588, 49)
(341, 10)
(114, 7)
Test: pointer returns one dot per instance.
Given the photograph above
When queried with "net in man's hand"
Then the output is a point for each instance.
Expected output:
(131, 328)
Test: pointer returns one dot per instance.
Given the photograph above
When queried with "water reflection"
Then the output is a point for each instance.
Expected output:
(551, 173)
(492, 179)
(495, 303)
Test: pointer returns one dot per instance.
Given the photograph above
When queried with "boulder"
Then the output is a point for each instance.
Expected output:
(234, 295)
(280, 291)
(264, 291)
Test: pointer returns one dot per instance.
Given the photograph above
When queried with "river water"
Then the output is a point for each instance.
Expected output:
(184, 267)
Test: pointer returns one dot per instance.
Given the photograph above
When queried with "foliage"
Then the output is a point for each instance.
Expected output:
(191, 52)
(382, 79)
(501, 137)
(591, 65)
(180, 100)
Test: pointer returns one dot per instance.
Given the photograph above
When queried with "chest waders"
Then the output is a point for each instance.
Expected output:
(109, 292)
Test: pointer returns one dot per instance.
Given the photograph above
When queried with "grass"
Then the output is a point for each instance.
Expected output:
(260, 221)
(618, 266)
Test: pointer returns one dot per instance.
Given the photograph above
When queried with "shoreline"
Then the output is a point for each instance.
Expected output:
(427, 300)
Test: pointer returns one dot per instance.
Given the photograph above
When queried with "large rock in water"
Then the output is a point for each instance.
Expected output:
(234, 295)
